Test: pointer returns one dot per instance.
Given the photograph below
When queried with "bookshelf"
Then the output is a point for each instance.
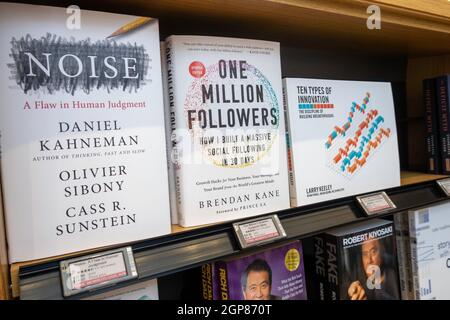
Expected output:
(191, 247)
(412, 44)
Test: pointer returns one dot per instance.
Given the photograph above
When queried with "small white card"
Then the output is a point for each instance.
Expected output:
(258, 231)
(376, 203)
(445, 185)
(97, 270)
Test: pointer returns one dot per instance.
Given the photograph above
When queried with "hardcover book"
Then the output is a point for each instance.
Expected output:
(342, 139)
(402, 237)
(442, 97)
(273, 274)
(430, 252)
(82, 130)
(169, 153)
(431, 118)
(362, 261)
(227, 128)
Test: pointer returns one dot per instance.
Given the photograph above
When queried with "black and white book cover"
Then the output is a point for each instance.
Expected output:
(82, 130)
(362, 261)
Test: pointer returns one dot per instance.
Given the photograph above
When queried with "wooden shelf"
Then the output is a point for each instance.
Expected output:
(413, 28)
(410, 177)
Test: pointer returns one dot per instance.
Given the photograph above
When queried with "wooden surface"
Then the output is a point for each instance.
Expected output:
(409, 177)
(434, 7)
(419, 69)
(414, 28)
(4, 274)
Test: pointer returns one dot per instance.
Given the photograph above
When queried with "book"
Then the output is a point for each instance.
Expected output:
(430, 252)
(228, 131)
(82, 131)
(273, 274)
(442, 98)
(145, 290)
(401, 221)
(432, 133)
(400, 234)
(362, 261)
(169, 151)
(342, 134)
(320, 268)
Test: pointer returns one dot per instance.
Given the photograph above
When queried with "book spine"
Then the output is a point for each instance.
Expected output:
(414, 258)
(292, 187)
(401, 255)
(320, 268)
(167, 112)
(444, 132)
(207, 281)
(221, 275)
(171, 85)
(406, 246)
(432, 130)
(331, 248)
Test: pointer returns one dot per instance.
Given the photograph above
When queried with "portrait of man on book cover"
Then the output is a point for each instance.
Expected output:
(256, 281)
(375, 271)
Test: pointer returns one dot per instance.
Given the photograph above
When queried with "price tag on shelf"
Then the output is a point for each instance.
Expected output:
(258, 231)
(96, 271)
(445, 185)
(376, 203)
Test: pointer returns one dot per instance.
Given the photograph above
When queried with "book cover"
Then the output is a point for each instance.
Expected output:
(442, 96)
(431, 118)
(274, 274)
(343, 139)
(228, 128)
(430, 251)
(83, 154)
(362, 261)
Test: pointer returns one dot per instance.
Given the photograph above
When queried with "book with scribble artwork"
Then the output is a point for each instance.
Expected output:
(82, 130)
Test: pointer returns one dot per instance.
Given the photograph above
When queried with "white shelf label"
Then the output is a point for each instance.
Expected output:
(97, 271)
(258, 231)
(376, 203)
(445, 185)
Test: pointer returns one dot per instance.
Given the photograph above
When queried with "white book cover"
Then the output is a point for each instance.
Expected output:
(82, 130)
(228, 123)
(342, 139)
(430, 245)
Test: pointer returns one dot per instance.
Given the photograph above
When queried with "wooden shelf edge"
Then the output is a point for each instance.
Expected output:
(393, 12)
(412, 177)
